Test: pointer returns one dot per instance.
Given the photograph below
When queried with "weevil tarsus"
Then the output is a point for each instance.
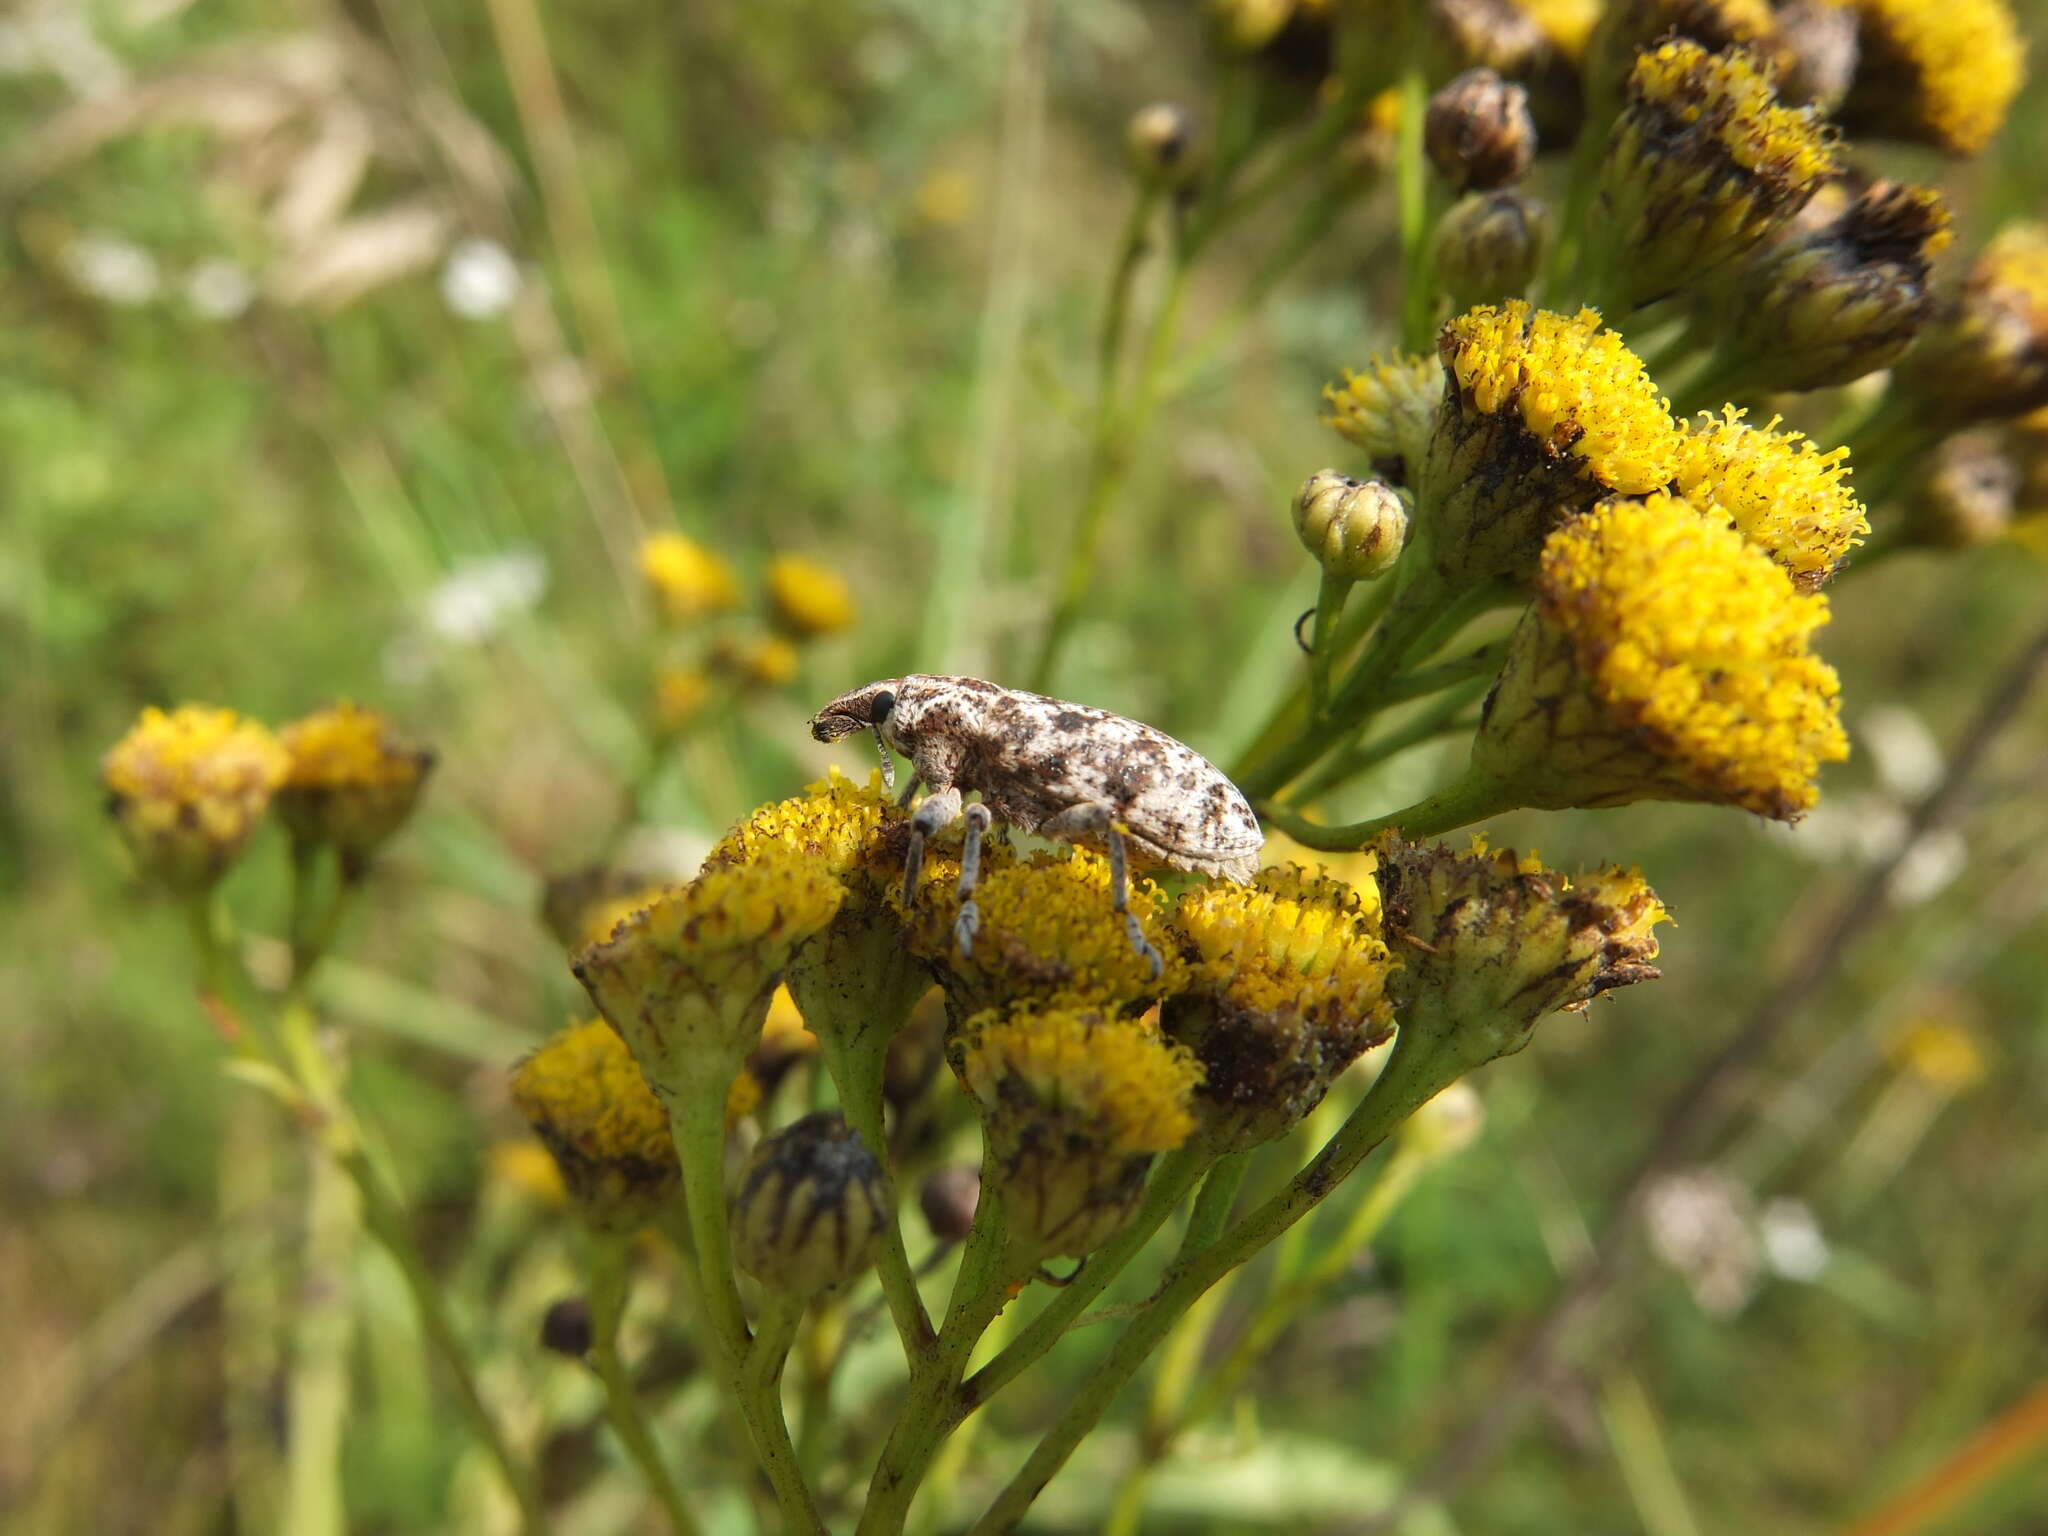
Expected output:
(1098, 819)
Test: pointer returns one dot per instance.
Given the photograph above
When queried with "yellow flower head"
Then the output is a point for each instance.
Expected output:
(680, 694)
(1777, 490)
(1048, 933)
(1389, 409)
(1287, 987)
(809, 1207)
(1629, 27)
(608, 1133)
(352, 782)
(585, 905)
(1940, 72)
(1566, 25)
(1833, 304)
(1704, 163)
(1543, 415)
(687, 980)
(766, 661)
(187, 787)
(687, 580)
(1941, 1047)
(1491, 941)
(1986, 355)
(807, 599)
(857, 980)
(1075, 1103)
(524, 1164)
(1664, 659)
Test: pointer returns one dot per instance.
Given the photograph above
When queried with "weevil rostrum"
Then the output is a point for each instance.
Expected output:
(1064, 771)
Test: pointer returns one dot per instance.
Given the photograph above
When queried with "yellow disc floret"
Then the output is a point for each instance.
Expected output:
(1128, 1087)
(1942, 72)
(587, 1101)
(188, 786)
(808, 599)
(688, 581)
(1776, 488)
(1665, 658)
(352, 782)
(839, 825)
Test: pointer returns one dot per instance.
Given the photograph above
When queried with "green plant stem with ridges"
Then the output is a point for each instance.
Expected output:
(697, 1125)
(1472, 798)
(609, 1282)
(1419, 1068)
(1293, 714)
(1445, 717)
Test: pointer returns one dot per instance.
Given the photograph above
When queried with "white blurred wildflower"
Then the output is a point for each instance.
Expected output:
(478, 596)
(219, 289)
(112, 269)
(480, 279)
(59, 40)
(1700, 1224)
(1794, 1246)
(1903, 752)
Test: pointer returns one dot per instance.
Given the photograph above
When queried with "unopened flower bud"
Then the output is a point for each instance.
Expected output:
(1968, 494)
(1817, 45)
(352, 782)
(1354, 528)
(1479, 133)
(1985, 355)
(1493, 34)
(1162, 140)
(565, 1328)
(949, 1197)
(809, 1207)
(1487, 247)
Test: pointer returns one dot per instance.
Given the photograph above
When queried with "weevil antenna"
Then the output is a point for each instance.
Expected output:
(888, 762)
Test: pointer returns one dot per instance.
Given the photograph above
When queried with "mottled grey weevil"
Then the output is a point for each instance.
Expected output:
(1059, 770)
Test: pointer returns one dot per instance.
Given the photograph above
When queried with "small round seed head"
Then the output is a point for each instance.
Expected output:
(1161, 137)
(1967, 494)
(1776, 489)
(1491, 942)
(687, 581)
(352, 782)
(1939, 72)
(186, 789)
(1389, 408)
(1622, 684)
(1287, 987)
(1075, 1103)
(1543, 414)
(806, 600)
(1704, 163)
(593, 1110)
(809, 1207)
(565, 1328)
(1354, 528)
(1487, 247)
(949, 1197)
(1837, 301)
(1985, 355)
(1478, 132)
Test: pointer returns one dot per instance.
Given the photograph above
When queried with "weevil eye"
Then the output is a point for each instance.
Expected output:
(879, 707)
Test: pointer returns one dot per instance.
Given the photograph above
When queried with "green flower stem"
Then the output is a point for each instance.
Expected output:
(1330, 597)
(1287, 1303)
(822, 1347)
(1175, 1175)
(1472, 798)
(697, 1125)
(1291, 716)
(609, 1253)
(858, 1066)
(989, 1271)
(1444, 717)
(323, 1334)
(384, 1219)
(1485, 662)
(1412, 196)
(1420, 1067)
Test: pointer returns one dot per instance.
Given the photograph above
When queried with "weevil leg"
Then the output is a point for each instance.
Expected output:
(909, 791)
(968, 923)
(936, 812)
(1099, 818)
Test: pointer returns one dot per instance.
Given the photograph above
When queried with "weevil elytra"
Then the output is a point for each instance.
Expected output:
(1064, 771)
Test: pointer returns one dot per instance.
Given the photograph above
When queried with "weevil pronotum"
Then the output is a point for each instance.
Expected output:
(1059, 770)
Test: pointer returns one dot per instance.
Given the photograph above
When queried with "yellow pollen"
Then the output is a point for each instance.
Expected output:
(1112, 1079)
